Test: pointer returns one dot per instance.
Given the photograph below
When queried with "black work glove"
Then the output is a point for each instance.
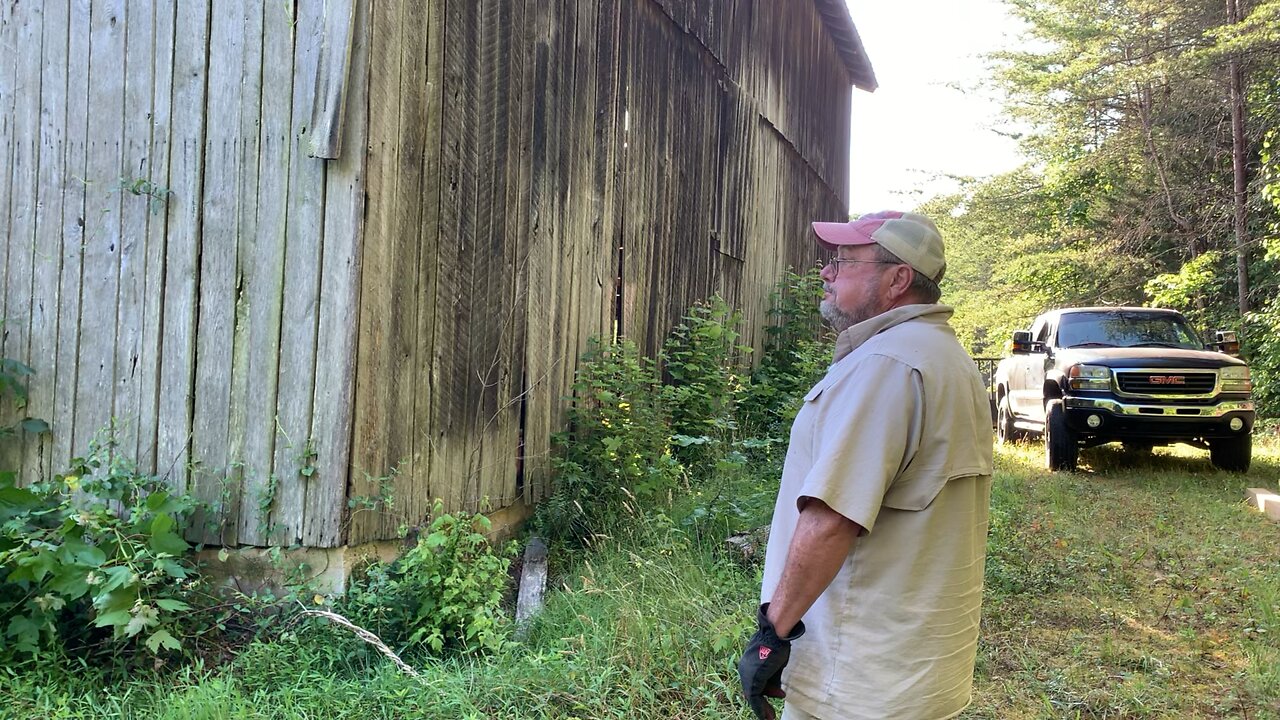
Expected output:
(760, 668)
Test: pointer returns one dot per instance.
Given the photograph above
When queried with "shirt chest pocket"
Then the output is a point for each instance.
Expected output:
(915, 491)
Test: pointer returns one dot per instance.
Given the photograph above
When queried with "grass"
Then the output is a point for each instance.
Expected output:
(1136, 588)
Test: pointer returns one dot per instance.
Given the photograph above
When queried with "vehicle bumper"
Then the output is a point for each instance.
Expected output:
(1157, 421)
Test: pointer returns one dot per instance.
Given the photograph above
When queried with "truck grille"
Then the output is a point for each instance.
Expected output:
(1171, 382)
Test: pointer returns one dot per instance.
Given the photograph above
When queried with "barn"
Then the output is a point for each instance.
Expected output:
(294, 256)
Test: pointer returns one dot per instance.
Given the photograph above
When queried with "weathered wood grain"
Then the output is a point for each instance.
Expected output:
(535, 174)
(329, 104)
(340, 303)
(8, 145)
(248, 161)
(453, 396)
(263, 270)
(490, 468)
(427, 271)
(184, 215)
(27, 32)
(48, 234)
(100, 279)
(380, 309)
(138, 194)
(543, 374)
(213, 477)
(408, 241)
(153, 293)
(71, 251)
(294, 447)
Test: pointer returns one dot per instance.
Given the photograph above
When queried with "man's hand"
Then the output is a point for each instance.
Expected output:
(760, 668)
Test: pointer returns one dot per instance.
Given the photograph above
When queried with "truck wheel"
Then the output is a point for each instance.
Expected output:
(1060, 448)
(1231, 454)
(1005, 431)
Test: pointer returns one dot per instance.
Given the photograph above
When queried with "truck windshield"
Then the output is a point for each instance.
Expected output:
(1127, 329)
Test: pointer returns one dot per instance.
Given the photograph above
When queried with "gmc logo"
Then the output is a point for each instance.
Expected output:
(1168, 380)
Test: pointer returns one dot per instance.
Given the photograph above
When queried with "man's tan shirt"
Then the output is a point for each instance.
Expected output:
(897, 438)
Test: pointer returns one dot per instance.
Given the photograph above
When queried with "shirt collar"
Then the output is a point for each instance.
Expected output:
(854, 336)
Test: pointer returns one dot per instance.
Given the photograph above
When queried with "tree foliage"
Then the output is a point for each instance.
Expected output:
(1127, 197)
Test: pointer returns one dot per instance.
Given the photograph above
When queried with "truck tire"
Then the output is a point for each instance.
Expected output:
(1231, 454)
(1060, 448)
(1005, 431)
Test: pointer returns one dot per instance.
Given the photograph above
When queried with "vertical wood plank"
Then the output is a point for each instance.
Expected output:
(304, 231)
(101, 272)
(427, 451)
(530, 465)
(247, 280)
(184, 216)
(541, 370)
(216, 314)
(339, 308)
(8, 144)
(329, 100)
(373, 415)
(48, 229)
(512, 210)
(140, 195)
(410, 240)
(490, 470)
(73, 233)
(452, 400)
(263, 255)
(153, 294)
(25, 37)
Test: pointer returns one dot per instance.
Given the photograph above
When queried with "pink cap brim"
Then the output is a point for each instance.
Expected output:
(833, 234)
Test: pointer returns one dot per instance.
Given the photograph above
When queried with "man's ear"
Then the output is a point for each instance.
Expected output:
(900, 282)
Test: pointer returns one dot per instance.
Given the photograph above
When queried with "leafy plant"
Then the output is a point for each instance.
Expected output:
(796, 354)
(444, 593)
(707, 370)
(13, 376)
(616, 457)
(99, 547)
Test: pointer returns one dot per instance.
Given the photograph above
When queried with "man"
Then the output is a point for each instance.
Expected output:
(873, 573)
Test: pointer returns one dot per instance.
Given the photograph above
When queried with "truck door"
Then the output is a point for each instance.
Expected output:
(1038, 364)
(1024, 396)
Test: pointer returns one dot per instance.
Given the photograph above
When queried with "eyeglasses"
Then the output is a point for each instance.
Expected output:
(835, 260)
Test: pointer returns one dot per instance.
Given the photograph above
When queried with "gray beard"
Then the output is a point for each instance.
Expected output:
(837, 319)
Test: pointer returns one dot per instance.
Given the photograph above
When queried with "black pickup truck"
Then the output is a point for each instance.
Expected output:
(1083, 377)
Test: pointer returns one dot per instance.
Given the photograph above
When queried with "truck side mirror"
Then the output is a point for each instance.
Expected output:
(1022, 342)
(1225, 341)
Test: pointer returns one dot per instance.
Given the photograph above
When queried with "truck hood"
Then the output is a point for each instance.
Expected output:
(1144, 357)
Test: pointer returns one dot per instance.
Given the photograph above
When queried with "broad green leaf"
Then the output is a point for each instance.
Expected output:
(164, 540)
(172, 605)
(118, 576)
(162, 638)
(116, 618)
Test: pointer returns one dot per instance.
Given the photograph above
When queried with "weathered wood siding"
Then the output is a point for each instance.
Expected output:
(286, 336)
(542, 172)
(173, 257)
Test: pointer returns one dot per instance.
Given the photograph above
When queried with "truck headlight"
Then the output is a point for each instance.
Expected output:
(1089, 377)
(1235, 379)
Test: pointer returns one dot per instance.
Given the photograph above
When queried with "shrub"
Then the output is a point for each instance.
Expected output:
(706, 371)
(797, 352)
(97, 548)
(444, 593)
(616, 452)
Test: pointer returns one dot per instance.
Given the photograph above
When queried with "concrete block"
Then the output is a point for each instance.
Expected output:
(1264, 500)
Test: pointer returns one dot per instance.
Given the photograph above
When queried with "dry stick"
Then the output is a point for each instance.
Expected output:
(366, 636)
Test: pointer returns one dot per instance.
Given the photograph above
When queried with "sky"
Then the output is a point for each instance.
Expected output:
(928, 118)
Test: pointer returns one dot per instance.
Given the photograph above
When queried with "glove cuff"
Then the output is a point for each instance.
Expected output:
(762, 621)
